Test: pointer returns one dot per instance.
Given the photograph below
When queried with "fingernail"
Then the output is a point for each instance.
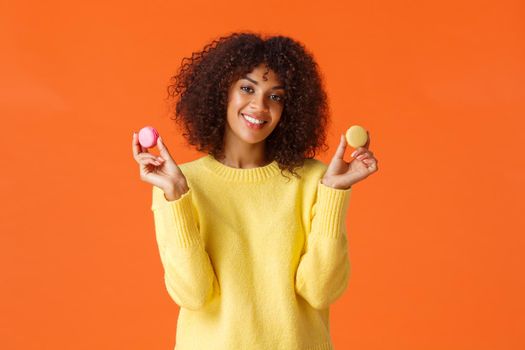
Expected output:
(353, 153)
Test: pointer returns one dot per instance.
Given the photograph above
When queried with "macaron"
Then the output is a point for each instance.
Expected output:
(356, 136)
(148, 136)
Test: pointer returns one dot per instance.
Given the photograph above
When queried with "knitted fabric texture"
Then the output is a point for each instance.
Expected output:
(253, 259)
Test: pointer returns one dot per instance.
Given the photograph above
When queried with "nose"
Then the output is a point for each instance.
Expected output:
(259, 103)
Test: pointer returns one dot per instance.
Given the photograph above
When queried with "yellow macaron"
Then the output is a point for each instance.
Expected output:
(356, 136)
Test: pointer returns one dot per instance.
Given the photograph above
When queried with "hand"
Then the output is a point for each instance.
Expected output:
(343, 175)
(160, 171)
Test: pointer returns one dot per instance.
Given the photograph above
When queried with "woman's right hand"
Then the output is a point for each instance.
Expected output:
(160, 171)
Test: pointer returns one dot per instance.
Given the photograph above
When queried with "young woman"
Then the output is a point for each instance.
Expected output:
(254, 257)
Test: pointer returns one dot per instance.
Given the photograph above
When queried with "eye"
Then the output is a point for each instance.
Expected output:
(249, 89)
(245, 88)
(277, 98)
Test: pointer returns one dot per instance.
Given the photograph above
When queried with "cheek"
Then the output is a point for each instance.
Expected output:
(236, 103)
(241, 96)
(277, 112)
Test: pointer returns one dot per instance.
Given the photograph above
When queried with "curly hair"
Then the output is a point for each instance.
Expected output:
(200, 94)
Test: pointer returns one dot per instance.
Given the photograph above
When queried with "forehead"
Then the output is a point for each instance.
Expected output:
(263, 74)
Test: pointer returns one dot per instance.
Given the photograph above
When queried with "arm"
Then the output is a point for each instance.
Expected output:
(324, 269)
(188, 272)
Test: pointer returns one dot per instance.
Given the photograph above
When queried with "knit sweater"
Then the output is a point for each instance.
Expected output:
(253, 258)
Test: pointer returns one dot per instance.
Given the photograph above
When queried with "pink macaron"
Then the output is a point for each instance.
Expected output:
(148, 136)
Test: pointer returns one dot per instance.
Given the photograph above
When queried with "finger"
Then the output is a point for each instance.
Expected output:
(164, 153)
(365, 155)
(371, 163)
(373, 166)
(149, 156)
(146, 161)
(340, 151)
(135, 145)
(358, 151)
(143, 158)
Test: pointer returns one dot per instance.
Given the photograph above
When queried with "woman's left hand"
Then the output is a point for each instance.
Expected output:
(343, 175)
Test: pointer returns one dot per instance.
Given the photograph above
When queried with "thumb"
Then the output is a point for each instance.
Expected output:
(340, 152)
(164, 153)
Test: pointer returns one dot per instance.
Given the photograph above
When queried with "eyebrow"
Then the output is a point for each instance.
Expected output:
(253, 81)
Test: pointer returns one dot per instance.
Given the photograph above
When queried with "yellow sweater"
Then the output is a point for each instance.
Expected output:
(253, 259)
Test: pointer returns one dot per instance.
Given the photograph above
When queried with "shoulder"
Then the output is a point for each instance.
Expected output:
(314, 167)
(312, 171)
(313, 163)
(194, 171)
(190, 169)
(190, 165)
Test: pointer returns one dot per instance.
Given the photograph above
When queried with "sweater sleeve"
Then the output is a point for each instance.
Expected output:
(324, 269)
(188, 273)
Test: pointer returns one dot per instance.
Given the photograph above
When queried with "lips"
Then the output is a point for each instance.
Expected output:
(254, 117)
(252, 125)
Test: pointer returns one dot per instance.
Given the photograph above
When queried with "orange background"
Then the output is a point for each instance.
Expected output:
(435, 236)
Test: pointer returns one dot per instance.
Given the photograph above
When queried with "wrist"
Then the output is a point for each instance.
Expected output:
(175, 191)
(333, 184)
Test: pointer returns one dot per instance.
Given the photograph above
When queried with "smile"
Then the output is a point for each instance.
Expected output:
(253, 123)
(253, 120)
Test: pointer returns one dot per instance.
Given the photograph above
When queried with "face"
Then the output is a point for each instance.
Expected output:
(260, 95)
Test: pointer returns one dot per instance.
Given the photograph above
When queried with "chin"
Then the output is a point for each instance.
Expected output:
(253, 140)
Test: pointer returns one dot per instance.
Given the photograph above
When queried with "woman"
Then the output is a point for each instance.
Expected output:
(253, 257)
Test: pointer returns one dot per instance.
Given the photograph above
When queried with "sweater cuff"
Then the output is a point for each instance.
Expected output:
(331, 209)
(179, 218)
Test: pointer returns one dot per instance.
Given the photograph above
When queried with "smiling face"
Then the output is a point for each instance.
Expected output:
(260, 95)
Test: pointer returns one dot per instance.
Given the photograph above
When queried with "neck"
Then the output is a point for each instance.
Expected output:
(244, 155)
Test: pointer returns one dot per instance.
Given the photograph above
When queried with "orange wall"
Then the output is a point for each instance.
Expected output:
(435, 236)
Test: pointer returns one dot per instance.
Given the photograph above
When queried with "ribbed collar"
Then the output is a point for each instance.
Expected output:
(238, 174)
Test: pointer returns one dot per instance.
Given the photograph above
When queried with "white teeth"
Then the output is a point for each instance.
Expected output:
(252, 120)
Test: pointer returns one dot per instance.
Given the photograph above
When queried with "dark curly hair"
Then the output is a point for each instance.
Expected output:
(200, 90)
